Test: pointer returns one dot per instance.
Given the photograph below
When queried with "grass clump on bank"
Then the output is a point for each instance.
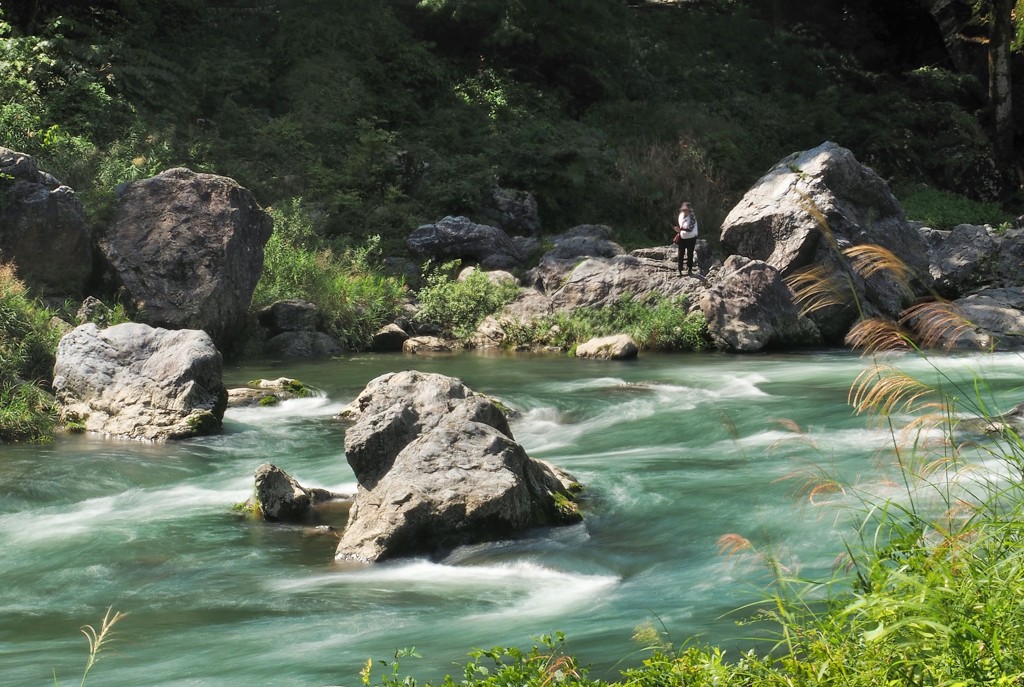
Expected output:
(352, 296)
(28, 346)
(655, 324)
(456, 306)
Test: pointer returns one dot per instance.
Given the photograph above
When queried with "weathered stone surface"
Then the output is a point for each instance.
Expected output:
(970, 258)
(459, 237)
(997, 316)
(493, 276)
(489, 334)
(267, 392)
(750, 308)
(389, 338)
(569, 249)
(291, 315)
(425, 344)
(137, 382)
(598, 282)
(279, 498)
(810, 206)
(42, 228)
(616, 347)
(188, 250)
(437, 467)
(527, 305)
(512, 210)
(303, 344)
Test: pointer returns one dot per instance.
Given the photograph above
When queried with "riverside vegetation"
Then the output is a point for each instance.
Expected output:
(927, 590)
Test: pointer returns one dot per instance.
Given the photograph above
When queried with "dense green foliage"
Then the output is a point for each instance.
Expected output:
(383, 115)
(945, 210)
(457, 306)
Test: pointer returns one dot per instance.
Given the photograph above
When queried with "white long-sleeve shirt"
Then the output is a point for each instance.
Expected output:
(687, 225)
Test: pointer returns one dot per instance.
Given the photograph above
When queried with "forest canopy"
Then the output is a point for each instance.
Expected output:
(384, 115)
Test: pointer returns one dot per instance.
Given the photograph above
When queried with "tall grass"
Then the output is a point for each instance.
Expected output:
(353, 297)
(98, 639)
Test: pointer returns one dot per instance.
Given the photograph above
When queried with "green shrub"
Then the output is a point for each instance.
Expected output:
(457, 307)
(945, 210)
(354, 299)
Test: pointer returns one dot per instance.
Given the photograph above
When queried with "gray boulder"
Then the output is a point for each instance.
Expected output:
(303, 344)
(598, 282)
(136, 382)
(615, 347)
(750, 308)
(512, 210)
(568, 250)
(420, 345)
(970, 258)
(290, 315)
(266, 392)
(437, 467)
(42, 228)
(277, 497)
(994, 319)
(389, 338)
(187, 249)
(814, 204)
(460, 238)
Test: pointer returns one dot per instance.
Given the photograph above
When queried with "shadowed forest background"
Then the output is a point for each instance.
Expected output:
(382, 115)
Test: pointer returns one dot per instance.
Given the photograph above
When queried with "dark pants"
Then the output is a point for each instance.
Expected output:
(686, 246)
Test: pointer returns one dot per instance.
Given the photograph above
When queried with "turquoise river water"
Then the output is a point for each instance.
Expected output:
(676, 450)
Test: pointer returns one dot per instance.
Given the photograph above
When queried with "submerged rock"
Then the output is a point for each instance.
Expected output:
(437, 467)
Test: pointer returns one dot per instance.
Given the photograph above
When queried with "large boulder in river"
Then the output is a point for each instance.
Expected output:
(187, 249)
(42, 228)
(437, 467)
(750, 308)
(986, 320)
(460, 238)
(136, 382)
(811, 206)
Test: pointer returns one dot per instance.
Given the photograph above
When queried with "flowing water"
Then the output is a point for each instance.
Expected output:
(675, 451)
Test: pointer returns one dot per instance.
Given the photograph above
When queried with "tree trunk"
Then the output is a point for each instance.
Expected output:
(1000, 81)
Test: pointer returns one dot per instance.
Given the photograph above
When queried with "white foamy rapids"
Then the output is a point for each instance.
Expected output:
(309, 407)
(119, 511)
(528, 588)
(544, 429)
(855, 440)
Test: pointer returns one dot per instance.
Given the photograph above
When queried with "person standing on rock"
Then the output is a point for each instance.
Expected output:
(687, 227)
